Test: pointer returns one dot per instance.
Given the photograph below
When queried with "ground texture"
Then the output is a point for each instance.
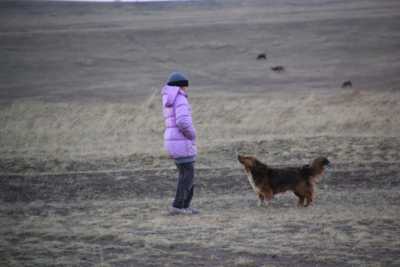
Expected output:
(84, 179)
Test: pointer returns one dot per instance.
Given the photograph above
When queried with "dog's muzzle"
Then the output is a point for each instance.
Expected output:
(329, 166)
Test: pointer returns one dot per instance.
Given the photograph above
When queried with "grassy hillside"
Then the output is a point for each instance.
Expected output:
(40, 131)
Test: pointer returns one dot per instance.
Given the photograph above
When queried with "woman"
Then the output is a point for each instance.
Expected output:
(179, 139)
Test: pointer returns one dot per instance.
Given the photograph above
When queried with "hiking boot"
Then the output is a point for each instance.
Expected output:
(176, 211)
(191, 210)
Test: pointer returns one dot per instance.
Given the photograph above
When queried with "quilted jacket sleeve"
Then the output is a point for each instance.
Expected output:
(184, 117)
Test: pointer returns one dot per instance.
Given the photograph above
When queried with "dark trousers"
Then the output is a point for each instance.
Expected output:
(184, 190)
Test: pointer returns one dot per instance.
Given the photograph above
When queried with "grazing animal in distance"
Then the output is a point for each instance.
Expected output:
(268, 181)
(262, 56)
(347, 84)
(278, 68)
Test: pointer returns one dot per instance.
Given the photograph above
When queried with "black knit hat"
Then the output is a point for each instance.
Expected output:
(177, 79)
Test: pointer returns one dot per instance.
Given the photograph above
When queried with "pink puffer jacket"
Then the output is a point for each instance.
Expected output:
(179, 135)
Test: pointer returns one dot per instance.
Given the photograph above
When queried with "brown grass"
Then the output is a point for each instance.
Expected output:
(63, 132)
(343, 228)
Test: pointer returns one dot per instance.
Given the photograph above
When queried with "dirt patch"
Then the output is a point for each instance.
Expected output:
(119, 218)
(346, 227)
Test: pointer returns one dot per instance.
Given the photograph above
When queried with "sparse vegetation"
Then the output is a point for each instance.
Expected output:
(84, 179)
(48, 137)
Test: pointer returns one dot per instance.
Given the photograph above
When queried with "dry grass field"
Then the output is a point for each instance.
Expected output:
(120, 219)
(41, 136)
(84, 179)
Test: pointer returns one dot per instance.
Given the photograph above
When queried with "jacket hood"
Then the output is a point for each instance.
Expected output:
(171, 92)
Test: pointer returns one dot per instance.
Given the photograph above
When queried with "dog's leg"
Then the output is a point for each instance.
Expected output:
(260, 200)
(312, 194)
(309, 198)
(301, 202)
(268, 195)
(301, 199)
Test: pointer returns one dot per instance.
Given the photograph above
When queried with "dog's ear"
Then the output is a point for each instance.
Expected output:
(247, 161)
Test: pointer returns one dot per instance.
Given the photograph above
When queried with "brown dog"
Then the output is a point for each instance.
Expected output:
(267, 181)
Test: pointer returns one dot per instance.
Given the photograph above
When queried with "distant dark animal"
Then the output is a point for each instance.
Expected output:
(262, 57)
(268, 181)
(278, 68)
(347, 84)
